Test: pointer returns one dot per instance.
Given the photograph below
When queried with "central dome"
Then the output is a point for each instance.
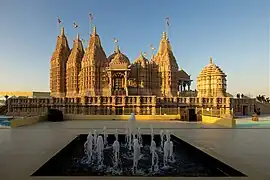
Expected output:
(118, 58)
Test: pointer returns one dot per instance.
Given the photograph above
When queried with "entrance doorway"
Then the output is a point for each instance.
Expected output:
(245, 110)
(192, 115)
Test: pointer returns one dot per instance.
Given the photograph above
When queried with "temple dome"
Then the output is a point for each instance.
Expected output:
(118, 58)
(211, 70)
(141, 60)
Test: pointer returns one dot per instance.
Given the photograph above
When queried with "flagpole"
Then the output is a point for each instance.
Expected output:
(75, 25)
(91, 23)
(115, 43)
(167, 26)
(58, 25)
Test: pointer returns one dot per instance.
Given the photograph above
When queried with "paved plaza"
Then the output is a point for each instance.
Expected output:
(23, 150)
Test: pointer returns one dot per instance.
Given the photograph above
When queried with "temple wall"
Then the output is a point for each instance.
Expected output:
(264, 108)
(114, 105)
(243, 106)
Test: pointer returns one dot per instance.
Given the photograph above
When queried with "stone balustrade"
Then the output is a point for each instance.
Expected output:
(112, 104)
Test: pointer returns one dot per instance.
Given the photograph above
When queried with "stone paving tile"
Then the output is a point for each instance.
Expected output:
(23, 150)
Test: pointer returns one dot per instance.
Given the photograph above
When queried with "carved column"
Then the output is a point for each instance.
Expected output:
(110, 83)
(126, 89)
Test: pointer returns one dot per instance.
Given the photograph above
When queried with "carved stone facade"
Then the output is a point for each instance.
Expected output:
(58, 66)
(79, 74)
(212, 81)
(73, 68)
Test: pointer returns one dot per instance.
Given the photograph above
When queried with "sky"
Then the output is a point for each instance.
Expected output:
(234, 32)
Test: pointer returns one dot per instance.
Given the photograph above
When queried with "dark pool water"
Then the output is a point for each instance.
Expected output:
(188, 161)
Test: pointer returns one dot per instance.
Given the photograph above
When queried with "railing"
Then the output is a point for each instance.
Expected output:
(213, 112)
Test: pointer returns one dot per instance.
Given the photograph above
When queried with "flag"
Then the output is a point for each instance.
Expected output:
(91, 16)
(168, 21)
(59, 20)
(152, 48)
(75, 25)
(115, 40)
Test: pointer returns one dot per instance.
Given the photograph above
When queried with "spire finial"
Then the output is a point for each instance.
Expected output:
(164, 35)
(117, 49)
(63, 31)
(78, 36)
(211, 60)
(95, 30)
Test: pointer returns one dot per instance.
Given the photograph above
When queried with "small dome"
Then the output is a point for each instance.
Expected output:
(141, 60)
(211, 69)
(118, 58)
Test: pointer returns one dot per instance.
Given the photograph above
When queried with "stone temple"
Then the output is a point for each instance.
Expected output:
(87, 81)
(75, 73)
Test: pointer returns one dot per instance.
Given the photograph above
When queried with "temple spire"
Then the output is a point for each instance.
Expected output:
(211, 60)
(78, 36)
(63, 31)
(94, 30)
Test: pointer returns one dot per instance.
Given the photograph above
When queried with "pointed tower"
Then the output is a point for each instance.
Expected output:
(93, 67)
(167, 68)
(142, 75)
(58, 66)
(73, 68)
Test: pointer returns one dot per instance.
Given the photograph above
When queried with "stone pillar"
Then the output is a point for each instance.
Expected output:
(126, 89)
(188, 86)
(110, 83)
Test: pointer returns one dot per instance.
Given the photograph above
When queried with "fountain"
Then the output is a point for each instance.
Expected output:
(105, 136)
(140, 137)
(136, 155)
(162, 139)
(100, 147)
(167, 150)
(88, 147)
(116, 150)
(95, 139)
(133, 153)
(132, 126)
(153, 147)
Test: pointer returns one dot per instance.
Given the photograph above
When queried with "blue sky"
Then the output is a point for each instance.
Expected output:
(234, 32)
